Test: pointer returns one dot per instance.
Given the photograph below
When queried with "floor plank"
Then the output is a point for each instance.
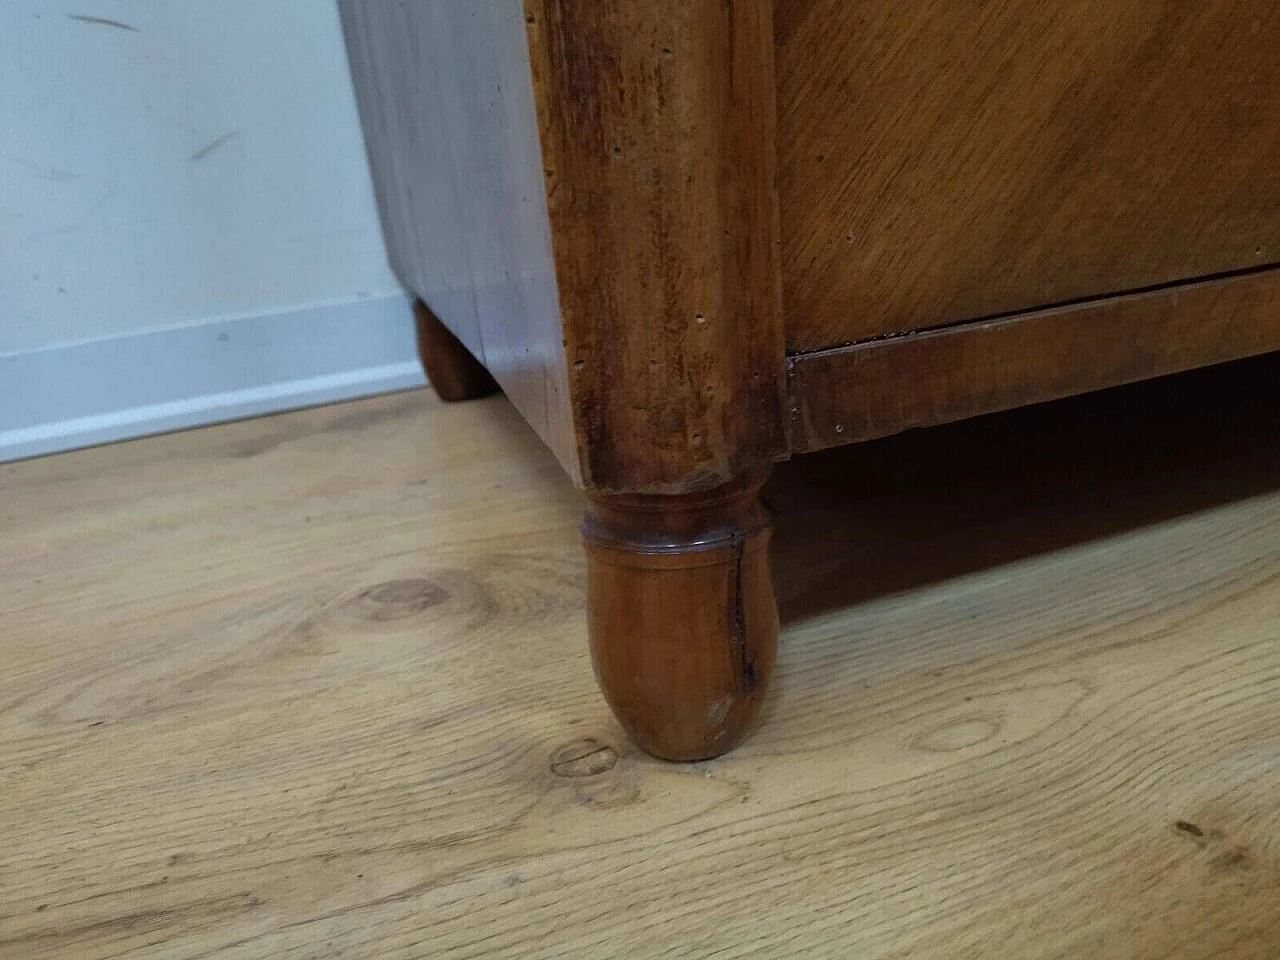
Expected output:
(312, 685)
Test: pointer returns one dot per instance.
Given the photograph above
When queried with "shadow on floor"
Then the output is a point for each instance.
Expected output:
(877, 518)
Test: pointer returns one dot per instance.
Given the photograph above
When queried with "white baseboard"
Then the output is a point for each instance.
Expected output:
(99, 391)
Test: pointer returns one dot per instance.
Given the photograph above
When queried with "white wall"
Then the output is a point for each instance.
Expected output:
(190, 162)
(114, 220)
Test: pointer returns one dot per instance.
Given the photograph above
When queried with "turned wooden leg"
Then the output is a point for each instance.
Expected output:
(454, 373)
(681, 614)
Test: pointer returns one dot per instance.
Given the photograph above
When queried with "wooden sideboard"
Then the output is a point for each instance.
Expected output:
(690, 238)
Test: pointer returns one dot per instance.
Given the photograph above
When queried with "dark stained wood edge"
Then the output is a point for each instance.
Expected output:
(657, 126)
(881, 387)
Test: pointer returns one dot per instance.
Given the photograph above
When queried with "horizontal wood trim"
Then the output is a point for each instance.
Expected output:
(882, 387)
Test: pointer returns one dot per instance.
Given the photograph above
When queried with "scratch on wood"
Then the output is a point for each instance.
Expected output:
(102, 22)
(737, 618)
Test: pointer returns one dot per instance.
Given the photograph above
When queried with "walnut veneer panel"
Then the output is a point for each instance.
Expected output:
(946, 161)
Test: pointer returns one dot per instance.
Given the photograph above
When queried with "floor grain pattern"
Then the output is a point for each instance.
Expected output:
(316, 685)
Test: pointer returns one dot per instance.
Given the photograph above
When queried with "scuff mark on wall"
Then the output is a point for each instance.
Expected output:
(213, 145)
(102, 22)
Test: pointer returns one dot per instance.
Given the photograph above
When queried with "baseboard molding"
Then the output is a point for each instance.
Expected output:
(101, 391)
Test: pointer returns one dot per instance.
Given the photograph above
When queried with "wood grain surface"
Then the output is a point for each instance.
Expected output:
(446, 103)
(585, 194)
(881, 387)
(657, 124)
(318, 686)
(946, 161)
(682, 617)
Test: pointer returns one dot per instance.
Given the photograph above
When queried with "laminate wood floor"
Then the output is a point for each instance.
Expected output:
(316, 685)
